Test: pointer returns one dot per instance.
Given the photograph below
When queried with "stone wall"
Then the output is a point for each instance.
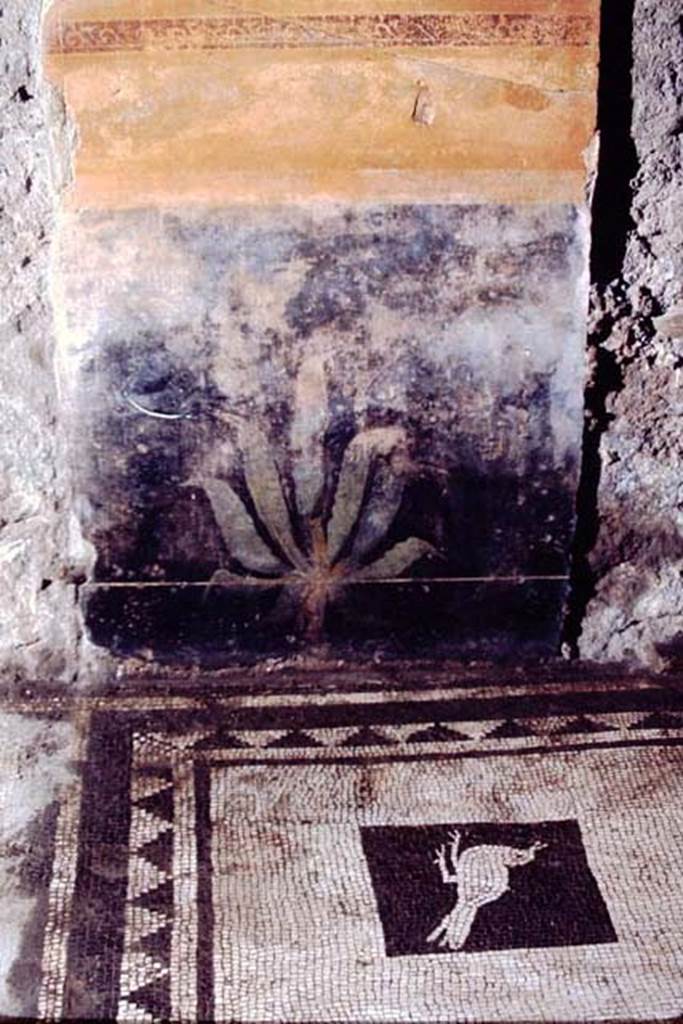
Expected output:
(628, 596)
(629, 565)
(38, 621)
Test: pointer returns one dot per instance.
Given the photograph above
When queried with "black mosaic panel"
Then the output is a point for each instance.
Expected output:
(475, 887)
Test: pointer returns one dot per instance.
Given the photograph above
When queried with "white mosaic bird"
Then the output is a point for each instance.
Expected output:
(482, 876)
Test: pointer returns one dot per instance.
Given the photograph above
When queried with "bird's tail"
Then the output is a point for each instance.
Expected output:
(453, 929)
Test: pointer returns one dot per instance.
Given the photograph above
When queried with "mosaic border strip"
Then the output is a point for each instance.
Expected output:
(184, 744)
(147, 946)
(377, 31)
(515, 733)
(62, 884)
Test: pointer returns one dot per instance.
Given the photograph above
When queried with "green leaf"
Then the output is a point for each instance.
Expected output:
(379, 509)
(265, 487)
(358, 459)
(396, 560)
(311, 415)
(236, 525)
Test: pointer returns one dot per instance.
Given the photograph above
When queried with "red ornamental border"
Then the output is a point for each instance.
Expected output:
(380, 31)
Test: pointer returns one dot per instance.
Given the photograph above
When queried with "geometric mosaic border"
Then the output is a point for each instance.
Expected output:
(114, 931)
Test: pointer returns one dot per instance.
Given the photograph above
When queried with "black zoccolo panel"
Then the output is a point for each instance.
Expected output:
(368, 421)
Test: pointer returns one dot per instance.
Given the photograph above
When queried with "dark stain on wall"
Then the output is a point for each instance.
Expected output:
(347, 414)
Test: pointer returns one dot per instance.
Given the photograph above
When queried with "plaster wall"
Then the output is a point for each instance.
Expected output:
(628, 594)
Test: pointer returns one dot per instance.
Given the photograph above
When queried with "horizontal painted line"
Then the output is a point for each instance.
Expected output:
(306, 31)
(291, 581)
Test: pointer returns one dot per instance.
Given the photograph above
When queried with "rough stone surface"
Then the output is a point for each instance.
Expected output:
(34, 770)
(637, 608)
(38, 622)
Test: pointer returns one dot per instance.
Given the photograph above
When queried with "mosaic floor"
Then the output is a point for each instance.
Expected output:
(478, 854)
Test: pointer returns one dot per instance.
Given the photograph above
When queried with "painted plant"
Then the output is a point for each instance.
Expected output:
(330, 528)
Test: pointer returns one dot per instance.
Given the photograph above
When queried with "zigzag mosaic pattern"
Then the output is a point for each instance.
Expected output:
(155, 767)
(146, 962)
(162, 746)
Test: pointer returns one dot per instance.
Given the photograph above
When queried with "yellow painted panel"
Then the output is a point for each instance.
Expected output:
(244, 124)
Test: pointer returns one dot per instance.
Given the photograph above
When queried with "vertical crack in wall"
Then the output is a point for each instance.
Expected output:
(627, 592)
(618, 161)
(611, 222)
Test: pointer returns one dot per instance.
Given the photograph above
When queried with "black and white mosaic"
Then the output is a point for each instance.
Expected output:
(508, 854)
(484, 886)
